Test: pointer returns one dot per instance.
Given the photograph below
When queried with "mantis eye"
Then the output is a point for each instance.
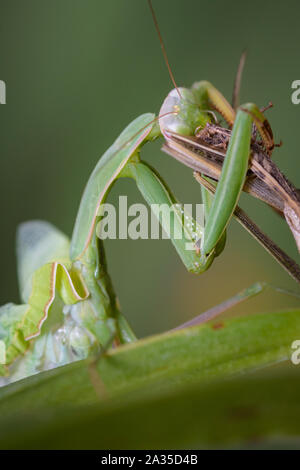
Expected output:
(172, 116)
(180, 113)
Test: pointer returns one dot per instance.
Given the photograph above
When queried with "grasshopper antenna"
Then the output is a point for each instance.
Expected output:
(163, 47)
(238, 80)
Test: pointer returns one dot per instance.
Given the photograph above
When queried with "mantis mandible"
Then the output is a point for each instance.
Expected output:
(69, 308)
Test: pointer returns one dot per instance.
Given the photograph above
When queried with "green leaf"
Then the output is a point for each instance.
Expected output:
(38, 243)
(261, 411)
(161, 363)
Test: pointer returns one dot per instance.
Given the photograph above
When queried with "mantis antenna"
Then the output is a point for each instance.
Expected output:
(238, 81)
(163, 47)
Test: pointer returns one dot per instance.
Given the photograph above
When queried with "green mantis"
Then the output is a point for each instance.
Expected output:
(70, 310)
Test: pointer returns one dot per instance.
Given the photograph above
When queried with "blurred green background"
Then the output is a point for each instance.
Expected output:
(78, 71)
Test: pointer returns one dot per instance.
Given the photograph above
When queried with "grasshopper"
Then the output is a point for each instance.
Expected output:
(70, 310)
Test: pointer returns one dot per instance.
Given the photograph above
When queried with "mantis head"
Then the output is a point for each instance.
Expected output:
(181, 113)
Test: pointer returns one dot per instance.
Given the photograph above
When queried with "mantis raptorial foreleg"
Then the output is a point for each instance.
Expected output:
(233, 174)
(281, 257)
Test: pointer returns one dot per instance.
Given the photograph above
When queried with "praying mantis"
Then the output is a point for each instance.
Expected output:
(70, 310)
